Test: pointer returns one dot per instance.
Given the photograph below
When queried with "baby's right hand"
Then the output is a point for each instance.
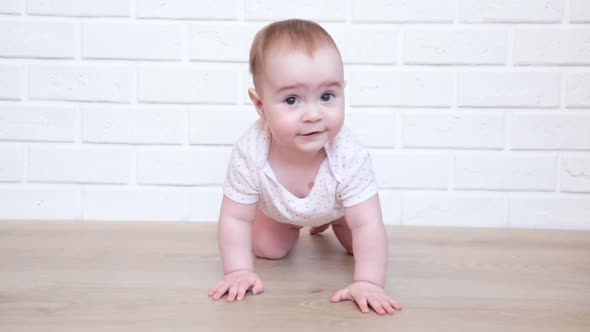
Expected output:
(236, 284)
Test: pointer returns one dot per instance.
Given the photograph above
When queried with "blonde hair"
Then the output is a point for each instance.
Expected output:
(295, 33)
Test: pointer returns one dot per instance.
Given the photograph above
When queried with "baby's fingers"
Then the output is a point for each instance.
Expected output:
(362, 303)
(233, 291)
(242, 289)
(258, 287)
(212, 290)
(341, 295)
(376, 305)
(220, 291)
(394, 304)
(388, 307)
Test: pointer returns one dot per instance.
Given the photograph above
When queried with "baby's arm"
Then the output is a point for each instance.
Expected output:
(369, 241)
(235, 243)
(369, 244)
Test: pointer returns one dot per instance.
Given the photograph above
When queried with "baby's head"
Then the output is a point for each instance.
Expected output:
(298, 83)
(287, 35)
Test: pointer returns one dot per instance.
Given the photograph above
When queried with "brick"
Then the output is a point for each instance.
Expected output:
(443, 129)
(362, 44)
(272, 10)
(549, 212)
(38, 123)
(505, 172)
(185, 85)
(81, 82)
(221, 42)
(410, 170)
(554, 131)
(403, 11)
(579, 11)
(534, 11)
(552, 46)
(574, 174)
(454, 209)
(453, 47)
(134, 125)
(218, 126)
(72, 164)
(126, 204)
(132, 41)
(195, 166)
(390, 207)
(509, 89)
(37, 39)
(389, 88)
(40, 203)
(189, 9)
(79, 7)
(374, 127)
(204, 204)
(577, 92)
(11, 81)
(11, 6)
(11, 163)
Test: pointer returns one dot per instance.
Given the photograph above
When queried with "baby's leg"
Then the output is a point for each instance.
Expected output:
(271, 239)
(343, 233)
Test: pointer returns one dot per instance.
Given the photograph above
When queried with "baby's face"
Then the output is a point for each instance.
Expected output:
(302, 97)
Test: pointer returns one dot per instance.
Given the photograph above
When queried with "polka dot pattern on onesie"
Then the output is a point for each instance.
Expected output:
(345, 178)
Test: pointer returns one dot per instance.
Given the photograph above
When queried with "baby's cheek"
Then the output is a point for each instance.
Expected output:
(284, 128)
(336, 120)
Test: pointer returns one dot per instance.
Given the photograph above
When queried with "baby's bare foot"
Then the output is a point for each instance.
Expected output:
(317, 230)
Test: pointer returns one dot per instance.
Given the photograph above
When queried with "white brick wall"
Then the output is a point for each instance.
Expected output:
(132, 41)
(11, 6)
(454, 47)
(509, 89)
(476, 113)
(81, 82)
(24, 122)
(11, 81)
(538, 11)
(178, 84)
(188, 9)
(11, 164)
(579, 11)
(402, 11)
(37, 39)
(88, 8)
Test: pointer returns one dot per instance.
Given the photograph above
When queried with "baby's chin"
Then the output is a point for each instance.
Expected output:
(311, 147)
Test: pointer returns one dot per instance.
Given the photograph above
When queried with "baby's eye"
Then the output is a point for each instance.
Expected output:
(291, 100)
(327, 96)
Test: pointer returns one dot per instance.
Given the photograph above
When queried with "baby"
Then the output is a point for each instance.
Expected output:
(298, 166)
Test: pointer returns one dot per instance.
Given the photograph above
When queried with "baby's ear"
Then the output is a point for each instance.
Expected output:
(257, 101)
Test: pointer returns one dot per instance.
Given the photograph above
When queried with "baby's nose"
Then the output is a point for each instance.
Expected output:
(312, 113)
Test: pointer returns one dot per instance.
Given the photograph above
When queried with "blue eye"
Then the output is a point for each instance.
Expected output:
(327, 96)
(291, 100)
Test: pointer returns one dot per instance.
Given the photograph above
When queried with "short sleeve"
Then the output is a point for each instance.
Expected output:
(241, 183)
(359, 183)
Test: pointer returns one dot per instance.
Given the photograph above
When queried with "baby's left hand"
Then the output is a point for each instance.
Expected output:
(367, 294)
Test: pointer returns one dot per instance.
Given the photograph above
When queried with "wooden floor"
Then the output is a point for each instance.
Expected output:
(155, 276)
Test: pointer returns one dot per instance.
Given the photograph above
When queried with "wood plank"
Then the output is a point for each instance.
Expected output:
(109, 276)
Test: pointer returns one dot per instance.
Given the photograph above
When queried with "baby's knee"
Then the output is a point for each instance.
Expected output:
(267, 252)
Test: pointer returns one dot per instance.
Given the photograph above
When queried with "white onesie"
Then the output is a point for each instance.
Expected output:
(345, 178)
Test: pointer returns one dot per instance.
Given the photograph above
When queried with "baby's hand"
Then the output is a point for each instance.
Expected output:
(367, 294)
(236, 284)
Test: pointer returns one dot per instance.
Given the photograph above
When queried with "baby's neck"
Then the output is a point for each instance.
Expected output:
(284, 156)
